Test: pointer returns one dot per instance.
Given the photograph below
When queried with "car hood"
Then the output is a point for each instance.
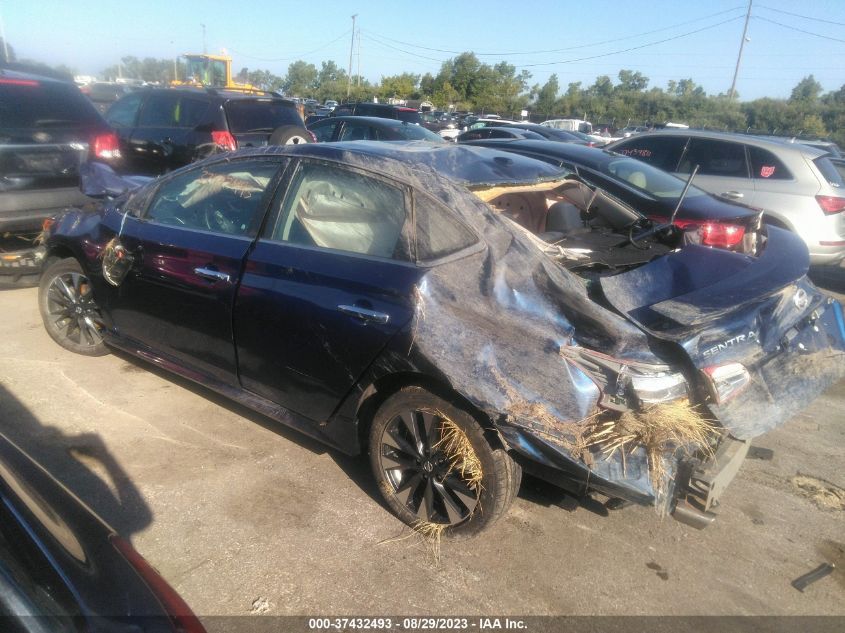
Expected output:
(762, 312)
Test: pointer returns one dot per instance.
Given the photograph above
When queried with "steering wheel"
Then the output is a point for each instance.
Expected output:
(221, 217)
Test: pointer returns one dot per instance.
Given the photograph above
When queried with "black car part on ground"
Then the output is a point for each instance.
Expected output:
(544, 345)
(63, 569)
(47, 129)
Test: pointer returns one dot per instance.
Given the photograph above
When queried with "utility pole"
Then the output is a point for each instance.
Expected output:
(741, 46)
(351, 48)
(5, 43)
(204, 51)
(358, 80)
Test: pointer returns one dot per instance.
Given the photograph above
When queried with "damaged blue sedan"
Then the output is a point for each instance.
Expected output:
(398, 300)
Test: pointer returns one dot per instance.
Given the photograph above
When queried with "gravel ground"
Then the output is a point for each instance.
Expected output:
(242, 516)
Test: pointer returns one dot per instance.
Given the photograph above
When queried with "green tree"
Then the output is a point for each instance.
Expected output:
(807, 90)
(301, 79)
(547, 96)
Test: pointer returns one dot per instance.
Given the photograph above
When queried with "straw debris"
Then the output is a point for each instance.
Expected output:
(461, 455)
(660, 429)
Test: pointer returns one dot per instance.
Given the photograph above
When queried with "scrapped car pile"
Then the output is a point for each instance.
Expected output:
(397, 299)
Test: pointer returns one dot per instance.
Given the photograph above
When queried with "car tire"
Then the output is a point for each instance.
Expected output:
(415, 481)
(290, 135)
(68, 310)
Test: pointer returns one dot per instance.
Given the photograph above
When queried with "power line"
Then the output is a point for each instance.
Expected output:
(401, 50)
(795, 28)
(798, 15)
(635, 48)
(558, 50)
(291, 55)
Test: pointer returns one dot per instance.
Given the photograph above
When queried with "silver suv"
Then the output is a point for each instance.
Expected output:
(797, 187)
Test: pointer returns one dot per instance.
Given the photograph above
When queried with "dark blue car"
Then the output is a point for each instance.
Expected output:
(394, 299)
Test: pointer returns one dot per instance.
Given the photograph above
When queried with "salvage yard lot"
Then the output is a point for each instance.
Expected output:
(242, 516)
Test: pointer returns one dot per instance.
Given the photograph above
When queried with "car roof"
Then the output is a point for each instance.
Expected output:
(407, 160)
(564, 151)
(749, 139)
(7, 73)
(217, 92)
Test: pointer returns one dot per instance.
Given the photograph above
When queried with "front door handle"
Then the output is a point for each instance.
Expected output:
(736, 195)
(213, 275)
(363, 314)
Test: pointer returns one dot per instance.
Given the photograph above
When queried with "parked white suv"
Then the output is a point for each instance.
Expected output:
(797, 187)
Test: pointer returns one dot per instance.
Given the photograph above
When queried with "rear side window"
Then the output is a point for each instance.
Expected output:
(35, 104)
(160, 110)
(259, 115)
(333, 208)
(663, 152)
(766, 166)
(438, 232)
(190, 112)
(832, 170)
(715, 158)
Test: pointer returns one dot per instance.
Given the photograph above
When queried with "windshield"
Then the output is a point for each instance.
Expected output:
(33, 104)
(409, 116)
(650, 180)
(259, 115)
(208, 72)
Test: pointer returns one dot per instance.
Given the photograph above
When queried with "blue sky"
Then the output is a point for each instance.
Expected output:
(577, 40)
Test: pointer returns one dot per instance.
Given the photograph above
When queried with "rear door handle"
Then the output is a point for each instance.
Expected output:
(733, 194)
(363, 314)
(213, 275)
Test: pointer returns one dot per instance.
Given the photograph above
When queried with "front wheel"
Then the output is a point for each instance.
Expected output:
(70, 314)
(434, 465)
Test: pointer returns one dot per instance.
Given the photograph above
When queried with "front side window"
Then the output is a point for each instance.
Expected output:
(353, 131)
(324, 131)
(222, 198)
(334, 208)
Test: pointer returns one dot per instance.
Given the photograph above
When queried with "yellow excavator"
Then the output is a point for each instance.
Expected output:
(212, 71)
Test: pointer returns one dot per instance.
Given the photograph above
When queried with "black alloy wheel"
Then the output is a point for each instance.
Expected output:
(68, 310)
(425, 482)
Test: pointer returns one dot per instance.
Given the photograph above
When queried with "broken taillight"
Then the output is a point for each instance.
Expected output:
(726, 381)
(224, 140)
(831, 205)
(106, 146)
(715, 234)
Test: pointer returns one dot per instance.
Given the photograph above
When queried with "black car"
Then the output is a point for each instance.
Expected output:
(368, 128)
(709, 220)
(391, 299)
(497, 132)
(162, 129)
(47, 128)
(381, 110)
(62, 569)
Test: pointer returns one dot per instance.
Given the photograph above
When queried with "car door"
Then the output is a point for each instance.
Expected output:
(328, 284)
(189, 247)
(723, 168)
(324, 130)
(158, 143)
